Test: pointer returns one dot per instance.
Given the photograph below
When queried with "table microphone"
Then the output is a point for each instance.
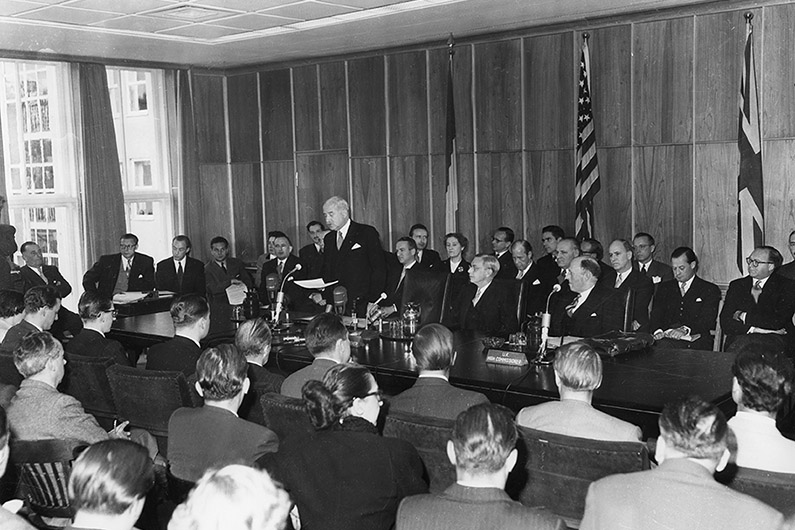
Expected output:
(546, 318)
(340, 296)
(272, 285)
(280, 294)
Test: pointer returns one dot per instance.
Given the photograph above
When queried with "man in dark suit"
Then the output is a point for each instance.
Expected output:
(788, 270)
(593, 249)
(629, 281)
(36, 273)
(432, 394)
(590, 309)
(536, 286)
(191, 316)
(551, 235)
(485, 305)
(643, 246)
(180, 273)
(483, 451)
(406, 253)
(312, 254)
(41, 310)
(686, 307)
(353, 256)
(281, 266)
(426, 258)
(119, 273)
(98, 314)
(501, 242)
(760, 305)
(213, 436)
(681, 493)
(223, 271)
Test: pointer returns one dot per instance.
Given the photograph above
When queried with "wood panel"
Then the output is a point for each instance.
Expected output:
(208, 105)
(462, 96)
(410, 185)
(715, 212)
(279, 192)
(613, 203)
(550, 193)
(307, 108)
(370, 194)
(549, 92)
(610, 83)
(499, 194)
(277, 119)
(663, 82)
(466, 201)
(408, 108)
(333, 106)
(778, 95)
(719, 55)
(664, 196)
(215, 219)
(367, 107)
(320, 176)
(247, 208)
(498, 93)
(778, 161)
(243, 117)
(436, 227)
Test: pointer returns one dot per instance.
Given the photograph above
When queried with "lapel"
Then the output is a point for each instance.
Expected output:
(33, 277)
(349, 241)
(590, 305)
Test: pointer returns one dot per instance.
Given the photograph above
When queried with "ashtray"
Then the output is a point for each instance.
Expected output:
(493, 342)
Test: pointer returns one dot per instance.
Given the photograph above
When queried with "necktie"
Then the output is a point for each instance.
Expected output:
(223, 266)
(478, 294)
(179, 274)
(618, 280)
(645, 269)
(339, 240)
(280, 269)
(129, 266)
(519, 275)
(570, 308)
(756, 290)
(682, 288)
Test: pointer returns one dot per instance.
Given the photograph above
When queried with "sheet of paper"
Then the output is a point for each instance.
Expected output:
(316, 283)
(129, 297)
(236, 293)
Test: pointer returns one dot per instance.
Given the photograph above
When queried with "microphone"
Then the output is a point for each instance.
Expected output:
(280, 294)
(272, 285)
(376, 314)
(546, 319)
(295, 269)
(340, 295)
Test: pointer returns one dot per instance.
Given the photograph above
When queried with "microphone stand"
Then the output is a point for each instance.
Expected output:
(280, 296)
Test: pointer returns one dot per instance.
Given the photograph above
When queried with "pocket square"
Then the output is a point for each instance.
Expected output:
(699, 300)
(355, 246)
(593, 315)
(537, 282)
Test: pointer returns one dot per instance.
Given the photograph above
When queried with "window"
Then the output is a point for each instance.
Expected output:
(137, 83)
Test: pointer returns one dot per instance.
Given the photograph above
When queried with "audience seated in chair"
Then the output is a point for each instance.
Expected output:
(191, 316)
(213, 435)
(41, 310)
(12, 307)
(108, 485)
(432, 393)
(253, 340)
(233, 498)
(97, 313)
(483, 450)
(578, 373)
(8, 520)
(681, 492)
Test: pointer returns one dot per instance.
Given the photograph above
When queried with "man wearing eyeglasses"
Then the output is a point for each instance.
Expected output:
(98, 314)
(118, 273)
(759, 307)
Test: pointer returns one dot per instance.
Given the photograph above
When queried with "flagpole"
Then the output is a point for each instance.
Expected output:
(451, 166)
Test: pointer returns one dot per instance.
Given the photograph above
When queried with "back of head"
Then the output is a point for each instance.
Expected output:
(221, 372)
(108, 477)
(695, 428)
(323, 332)
(188, 309)
(490, 262)
(433, 347)
(773, 255)
(253, 337)
(34, 351)
(12, 303)
(578, 366)
(40, 297)
(92, 305)
(764, 378)
(328, 401)
(483, 437)
(591, 265)
(235, 497)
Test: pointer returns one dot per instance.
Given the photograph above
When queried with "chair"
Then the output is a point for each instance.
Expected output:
(429, 436)
(178, 488)
(774, 489)
(86, 380)
(9, 374)
(285, 416)
(558, 469)
(147, 398)
(431, 290)
(250, 408)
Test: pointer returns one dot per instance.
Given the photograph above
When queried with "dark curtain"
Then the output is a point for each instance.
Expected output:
(189, 160)
(104, 199)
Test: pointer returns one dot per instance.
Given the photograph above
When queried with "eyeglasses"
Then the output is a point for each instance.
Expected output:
(125, 247)
(378, 395)
(113, 312)
(756, 262)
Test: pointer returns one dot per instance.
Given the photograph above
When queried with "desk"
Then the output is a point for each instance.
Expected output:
(635, 386)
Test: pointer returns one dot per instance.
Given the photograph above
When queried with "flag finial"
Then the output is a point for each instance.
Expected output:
(451, 44)
(586, 36)
(748, 17)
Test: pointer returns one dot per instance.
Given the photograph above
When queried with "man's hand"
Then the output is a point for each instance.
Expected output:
(118, 431)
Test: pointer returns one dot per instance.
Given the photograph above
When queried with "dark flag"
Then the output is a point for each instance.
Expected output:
(451, 173)
(587, 177)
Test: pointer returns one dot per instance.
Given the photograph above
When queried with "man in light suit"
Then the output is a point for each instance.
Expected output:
(180, 273)
(432, 394)
(119, 273)
(486, 305)
(578, 373)
(685, 307)
(483, 451)
(427, 258)
(643, 246)
(681, 493)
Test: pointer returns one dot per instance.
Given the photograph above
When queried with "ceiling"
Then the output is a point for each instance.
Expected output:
(236, 33)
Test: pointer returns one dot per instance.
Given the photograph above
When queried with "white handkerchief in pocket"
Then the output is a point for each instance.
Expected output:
(355, 246)
(537, 282)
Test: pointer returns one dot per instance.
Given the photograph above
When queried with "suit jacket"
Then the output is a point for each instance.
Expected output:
(295, 294)
(494, 314)
(773, 310)
(537, 289)
(262, 382)
(787, 270)
(658, 269)
(698, 310)
(571, 417)
(91, 343)
(177, 354)
(313, 259)
(548, 268)
(30, 278)
(467, 508)
(601, 312)
(218, 280)
(358, 265)
(430, 259)
(677, 495)
(212, 437)
(507, 267)
(102, 276)
(192, 277)
(394, 287)
(15, 335)
(435, 397)
(314, 372)
(38, 412)
(642, 289)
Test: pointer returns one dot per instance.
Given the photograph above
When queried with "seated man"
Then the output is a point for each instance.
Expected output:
(760, 384)
(483, 451)
(593, 249)
(681, 493)
(629, 281)
(643, 246)
(8, 520)
(406, 252)
(253, 340)
(97, 313)
(283, 264)
(567, 249)
(501, 242)
(312, 254)
(484, 305)
(578, 373)
(119, 273)
(213, 435)
(41, 311)
(221, 272)
(535, 283)
(191, 316)
(427, 258)
(180, 273)
(12, 310)
(432, 393)
(327, 341)
(551, 235)
(264, 258)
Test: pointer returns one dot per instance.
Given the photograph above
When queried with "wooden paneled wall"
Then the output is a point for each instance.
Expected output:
(665, 96)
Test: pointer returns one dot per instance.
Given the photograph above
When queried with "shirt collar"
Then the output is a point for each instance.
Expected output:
(180, 261)
(344, 229)
(688, 283)
(432, 376)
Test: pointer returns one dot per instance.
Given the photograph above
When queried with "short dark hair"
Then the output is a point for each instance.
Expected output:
(92, 304)
(312, 223)
(695, 427)
(556, 231)
(433, 347)
(188, 309)
(687, 252)
(773, 255)
(591, 265)
(598, 249)
(39, 297)
(323, 332)
(646, 235)
(12, 303)
(184, 239)
(129, 236)
(253, 336)
(219, 239)
(221, 372)
(34, 351)
(415, 227)
(509, 235)
(405, 239)
(483, 437)
(25, 245)
(328, 401)
(525, 244)
(764, 378)
(461, 238)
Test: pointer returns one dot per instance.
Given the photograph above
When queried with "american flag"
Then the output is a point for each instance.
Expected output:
(587, 178)
(451, 188)
(750, 207)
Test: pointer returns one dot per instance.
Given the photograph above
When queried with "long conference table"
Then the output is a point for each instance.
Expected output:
(635, 386)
